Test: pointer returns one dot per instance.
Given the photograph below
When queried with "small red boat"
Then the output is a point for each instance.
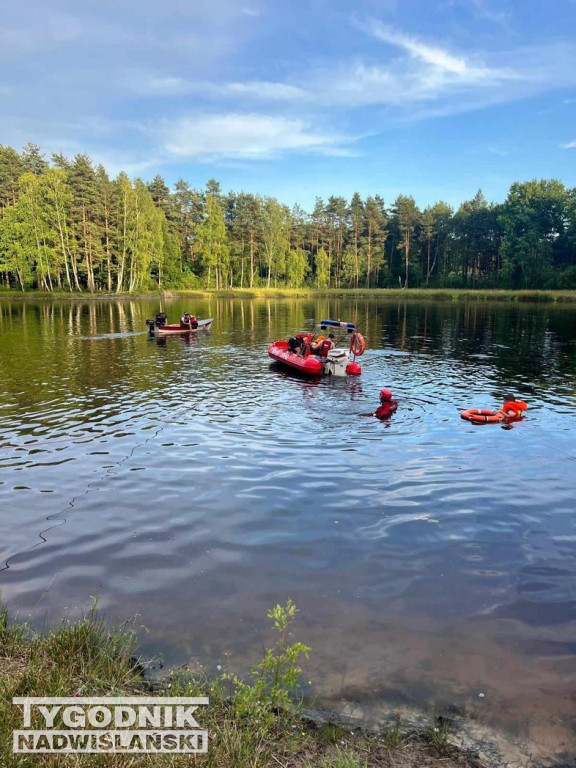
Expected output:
(159, 326)
(203, 325)
(335, 362)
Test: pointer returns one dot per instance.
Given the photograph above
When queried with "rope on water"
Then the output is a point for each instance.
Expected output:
(91, 487)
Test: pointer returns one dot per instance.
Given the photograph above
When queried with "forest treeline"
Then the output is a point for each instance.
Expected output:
(65, 225)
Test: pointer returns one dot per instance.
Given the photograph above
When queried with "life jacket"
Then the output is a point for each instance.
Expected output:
(327, 345)
(386, 409)
(514, 405)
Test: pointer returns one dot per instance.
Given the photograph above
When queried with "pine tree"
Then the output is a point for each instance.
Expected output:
(356, 218)
(323, 262)
(212, 242)
(33, 161)
(84, 214)
(11, 168)
(407, 214)
(374, 235)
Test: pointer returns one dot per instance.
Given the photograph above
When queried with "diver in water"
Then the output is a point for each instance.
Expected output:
(387, 406)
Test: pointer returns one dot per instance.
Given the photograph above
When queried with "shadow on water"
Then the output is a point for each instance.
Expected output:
(195, 483)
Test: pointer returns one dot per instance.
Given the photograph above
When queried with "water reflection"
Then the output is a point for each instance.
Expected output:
(192, 482)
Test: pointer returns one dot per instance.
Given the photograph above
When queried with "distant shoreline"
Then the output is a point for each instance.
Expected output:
(395, 294)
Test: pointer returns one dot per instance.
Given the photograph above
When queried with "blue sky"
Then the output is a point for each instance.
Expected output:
(303, 98)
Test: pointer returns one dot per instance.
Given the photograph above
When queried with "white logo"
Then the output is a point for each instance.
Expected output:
(111, 724)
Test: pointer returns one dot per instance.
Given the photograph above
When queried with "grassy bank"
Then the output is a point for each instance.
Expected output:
(251, 724)
(382, 294)
(389, 294)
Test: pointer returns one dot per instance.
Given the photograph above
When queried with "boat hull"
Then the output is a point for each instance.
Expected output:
(310, 366)
(167, 330)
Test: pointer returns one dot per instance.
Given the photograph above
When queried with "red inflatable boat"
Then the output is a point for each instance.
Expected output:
(335, 361)
(311, 365)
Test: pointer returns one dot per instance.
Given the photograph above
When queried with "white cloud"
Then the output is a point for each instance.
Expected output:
(430, 54)
(442, 61)
(116, 162)
(159, 85)
(357, 84)
(39, 32)
(483, 11)
(430, 78)
(245, 136)
(166, 86)
(498, 151)
(570, 145)
(262, 89)
(422, 80)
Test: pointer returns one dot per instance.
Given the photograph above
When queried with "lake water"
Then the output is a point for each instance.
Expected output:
(193, 483)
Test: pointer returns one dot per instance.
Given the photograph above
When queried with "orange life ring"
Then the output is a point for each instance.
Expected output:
(357, 344)
(482, 416)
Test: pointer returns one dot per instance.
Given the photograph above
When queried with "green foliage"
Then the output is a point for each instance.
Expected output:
(407, 215)
(297, 268)
(323, 263)
(437, 734)
(212, 244)
(78, 658)
(275, 238)
(250, 724)
(393, 736)
(65, 225)
(276, 676)
(332, 733)
(12, 635)
(342, 758)
(567, 278)
(536, 221)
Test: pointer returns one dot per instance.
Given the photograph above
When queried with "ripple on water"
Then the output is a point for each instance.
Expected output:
(196, 484)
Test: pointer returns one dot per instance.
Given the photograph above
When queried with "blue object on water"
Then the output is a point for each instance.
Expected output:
(337, 324)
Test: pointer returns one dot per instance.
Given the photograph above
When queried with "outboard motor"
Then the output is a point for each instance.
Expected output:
(336, 362)
(160, 320)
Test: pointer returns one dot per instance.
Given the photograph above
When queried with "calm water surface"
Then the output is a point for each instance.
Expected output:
(194, 484)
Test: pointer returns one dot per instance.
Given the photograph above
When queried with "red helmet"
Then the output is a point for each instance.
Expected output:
(385, 394)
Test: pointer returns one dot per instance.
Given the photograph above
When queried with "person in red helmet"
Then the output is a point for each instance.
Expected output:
(387, 405)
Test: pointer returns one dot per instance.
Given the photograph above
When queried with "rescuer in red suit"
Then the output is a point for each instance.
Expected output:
(387, 405)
